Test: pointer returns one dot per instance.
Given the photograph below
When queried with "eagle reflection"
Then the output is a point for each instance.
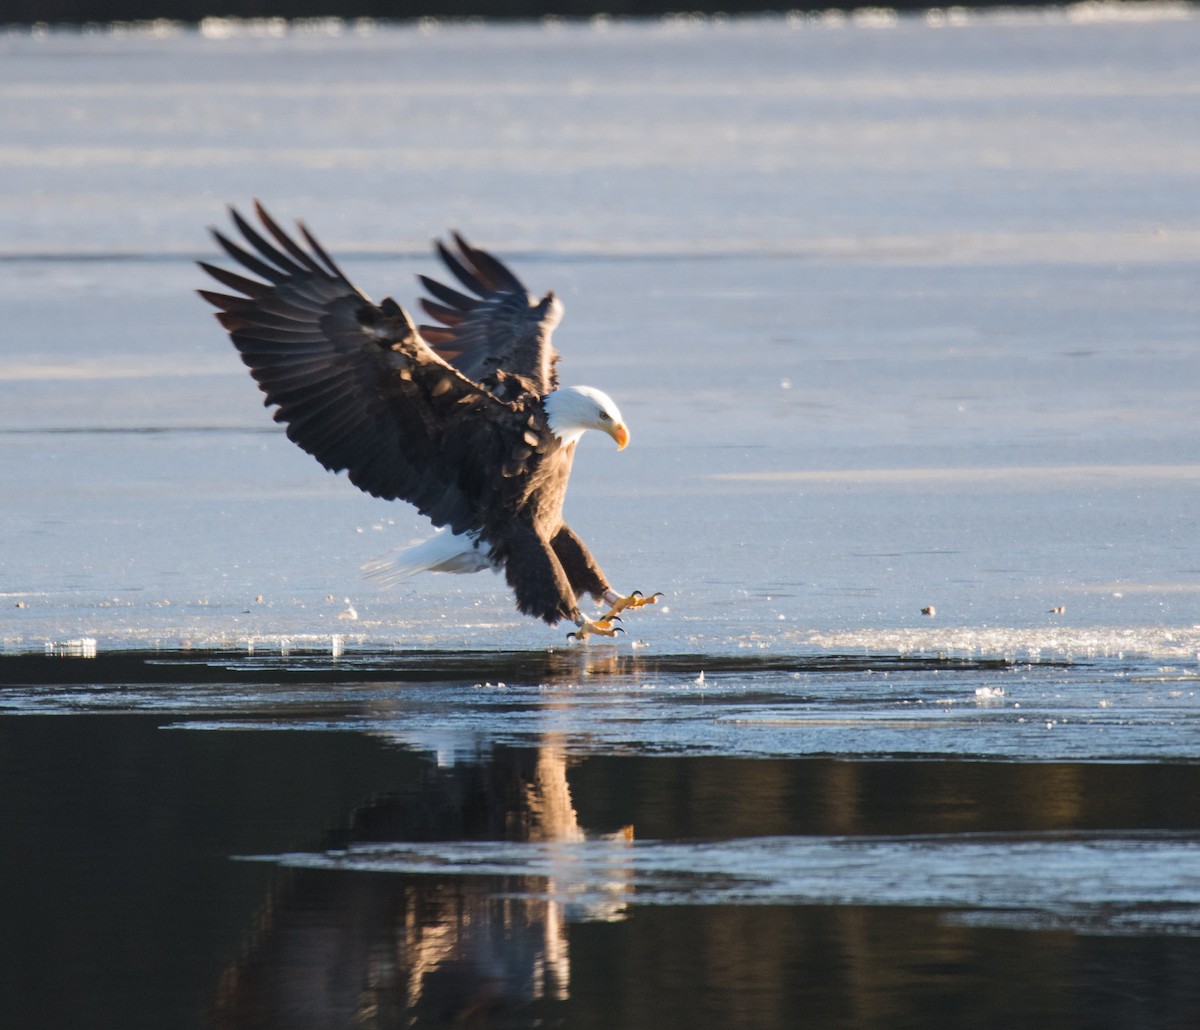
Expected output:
(342, 948)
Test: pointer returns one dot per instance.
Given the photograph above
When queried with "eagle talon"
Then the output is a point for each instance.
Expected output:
(602, 628)
(635, 600)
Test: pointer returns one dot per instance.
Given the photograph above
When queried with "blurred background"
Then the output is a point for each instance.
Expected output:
(193, 10)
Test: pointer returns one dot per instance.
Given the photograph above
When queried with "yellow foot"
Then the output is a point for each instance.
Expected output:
(635, 600)
(602, 628)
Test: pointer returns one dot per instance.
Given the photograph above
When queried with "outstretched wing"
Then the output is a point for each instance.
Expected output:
(356, 385)
(500, 329)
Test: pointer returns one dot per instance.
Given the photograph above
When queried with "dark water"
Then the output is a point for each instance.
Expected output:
(204, 842)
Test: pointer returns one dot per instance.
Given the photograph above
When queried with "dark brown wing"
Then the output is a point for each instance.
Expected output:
(500, 329)
(356, 385)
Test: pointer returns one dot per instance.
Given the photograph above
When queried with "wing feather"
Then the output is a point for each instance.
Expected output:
(458, 301)
(502, 330)
(354, 382)
(248, 260)
(496, 276)
(249, 287)
(447, 316)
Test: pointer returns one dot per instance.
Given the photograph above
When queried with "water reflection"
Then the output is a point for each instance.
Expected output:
(125, 833)
(354, 950)
(519, 911)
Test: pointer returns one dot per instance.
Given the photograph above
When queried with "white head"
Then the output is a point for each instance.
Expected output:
(573, 410)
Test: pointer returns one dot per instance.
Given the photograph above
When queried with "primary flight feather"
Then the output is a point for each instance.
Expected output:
(464, 419)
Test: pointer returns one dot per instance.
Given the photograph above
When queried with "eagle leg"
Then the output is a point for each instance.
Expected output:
(602, 628)
(635, 600)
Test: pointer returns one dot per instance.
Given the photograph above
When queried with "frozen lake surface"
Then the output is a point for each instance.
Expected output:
(902, 314)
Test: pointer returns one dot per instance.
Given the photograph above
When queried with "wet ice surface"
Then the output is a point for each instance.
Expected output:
(460, 706)
(902, 314)
(1084, 883)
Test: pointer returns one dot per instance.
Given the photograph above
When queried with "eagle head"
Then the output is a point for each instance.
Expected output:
(573, 410)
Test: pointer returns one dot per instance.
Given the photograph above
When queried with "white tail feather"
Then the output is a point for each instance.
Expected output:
(442, 552)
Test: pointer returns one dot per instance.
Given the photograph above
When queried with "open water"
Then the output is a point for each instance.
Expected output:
(903, 316)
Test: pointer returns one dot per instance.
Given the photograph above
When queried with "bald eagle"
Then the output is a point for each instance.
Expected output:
(464, 419)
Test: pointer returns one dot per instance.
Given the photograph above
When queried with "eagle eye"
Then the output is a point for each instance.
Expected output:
(605, 417)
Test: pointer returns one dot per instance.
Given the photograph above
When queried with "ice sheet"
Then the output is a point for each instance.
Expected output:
(901, 311)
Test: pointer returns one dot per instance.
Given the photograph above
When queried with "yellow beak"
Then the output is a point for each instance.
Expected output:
(620, 434)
